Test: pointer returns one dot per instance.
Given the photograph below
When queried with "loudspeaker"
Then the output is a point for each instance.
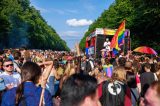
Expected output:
(126, 44)
(100, 39)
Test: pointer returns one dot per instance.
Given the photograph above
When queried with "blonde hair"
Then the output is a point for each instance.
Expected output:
(70, 69)
(119, 73)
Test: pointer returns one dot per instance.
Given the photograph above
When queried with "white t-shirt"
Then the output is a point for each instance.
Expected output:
(14, 79)
(107, 45)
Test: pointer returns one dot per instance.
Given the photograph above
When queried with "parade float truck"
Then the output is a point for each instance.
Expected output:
(95, 41)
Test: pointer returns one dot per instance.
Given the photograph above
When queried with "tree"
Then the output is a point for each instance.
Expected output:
(22, 25)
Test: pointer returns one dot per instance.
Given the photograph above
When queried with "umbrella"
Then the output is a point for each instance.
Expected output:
(145, 49)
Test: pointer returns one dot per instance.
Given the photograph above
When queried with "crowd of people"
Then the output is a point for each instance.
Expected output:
(60, 78)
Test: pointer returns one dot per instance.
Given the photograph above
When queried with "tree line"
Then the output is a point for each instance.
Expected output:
(23, 25)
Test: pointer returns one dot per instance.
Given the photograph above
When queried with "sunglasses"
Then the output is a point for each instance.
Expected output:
(8, 65)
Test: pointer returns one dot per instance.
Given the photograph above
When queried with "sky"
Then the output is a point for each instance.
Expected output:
(71, 18)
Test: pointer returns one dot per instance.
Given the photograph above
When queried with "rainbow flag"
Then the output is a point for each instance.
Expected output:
(118, 38)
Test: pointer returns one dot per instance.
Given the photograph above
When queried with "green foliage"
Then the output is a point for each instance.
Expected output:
(22, 25)
(142, 18)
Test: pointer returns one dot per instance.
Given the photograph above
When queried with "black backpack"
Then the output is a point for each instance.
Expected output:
(111, 96)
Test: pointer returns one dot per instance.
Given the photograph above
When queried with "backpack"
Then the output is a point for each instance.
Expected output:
(113, 94)
(88, 67)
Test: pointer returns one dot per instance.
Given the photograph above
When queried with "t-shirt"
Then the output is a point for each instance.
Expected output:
(146, 79)
(50, 85)
(134, 96)
(107, 45)
(13, 79)
(83, 65)
(89, 66)
(137, 80)
(1, 72)
(32, 94)
(16, 65)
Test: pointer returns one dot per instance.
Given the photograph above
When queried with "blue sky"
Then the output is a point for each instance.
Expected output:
(71, 18)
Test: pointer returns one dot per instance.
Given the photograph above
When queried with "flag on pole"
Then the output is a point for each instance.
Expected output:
(118, 38)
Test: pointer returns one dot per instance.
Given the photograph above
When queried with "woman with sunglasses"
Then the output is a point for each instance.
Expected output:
(11, 78)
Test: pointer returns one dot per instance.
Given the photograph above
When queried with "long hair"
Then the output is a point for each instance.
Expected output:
(131, 79)
(119, 74)
(30, 72)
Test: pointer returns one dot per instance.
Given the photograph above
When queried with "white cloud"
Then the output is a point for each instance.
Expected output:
(77, 23)
(70, 34)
